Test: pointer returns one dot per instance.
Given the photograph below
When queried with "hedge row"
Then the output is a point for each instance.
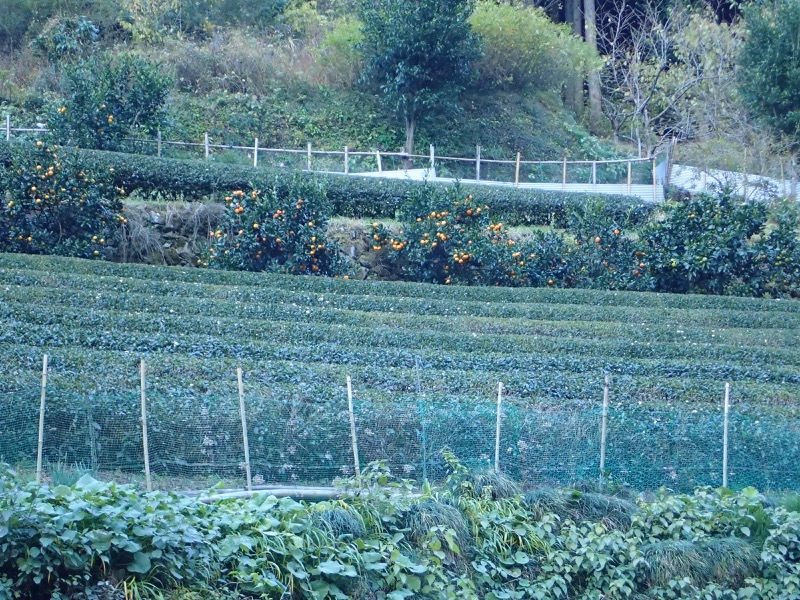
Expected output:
(350, 196)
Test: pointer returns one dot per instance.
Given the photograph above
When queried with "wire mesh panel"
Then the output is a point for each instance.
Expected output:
(764, 451)
(394, 432)
(550, 445)
(19, 425)
(299, 441)
(676, 448)
(195, 437)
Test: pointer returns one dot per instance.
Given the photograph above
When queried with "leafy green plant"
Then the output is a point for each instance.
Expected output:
(53, 205)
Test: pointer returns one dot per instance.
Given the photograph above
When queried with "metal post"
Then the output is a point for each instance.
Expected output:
(308, 156)
(477, 163)
(629, 178)
(159, 143)
(8, 127)
(433, 159)
(378, 156)
(244, 430)
(255, 153)
(145, 447)
(353, 430)
(497, 432)
(725, 435)
(655, 181)
(603, 431)
(41, 422)
(205, 144)
(564, 174)
(516, 172)
(744, 176)
(346, 161)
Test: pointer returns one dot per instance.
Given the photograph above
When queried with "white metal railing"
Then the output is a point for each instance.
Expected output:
(652, 191)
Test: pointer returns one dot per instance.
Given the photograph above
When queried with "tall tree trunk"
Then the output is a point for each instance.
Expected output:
(411, 122)
(595, 108)
(574, 88)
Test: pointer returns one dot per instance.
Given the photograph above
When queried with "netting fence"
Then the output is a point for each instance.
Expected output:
(196, 440)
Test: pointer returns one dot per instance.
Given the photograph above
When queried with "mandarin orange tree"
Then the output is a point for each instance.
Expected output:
(53, 205)
(280, 226)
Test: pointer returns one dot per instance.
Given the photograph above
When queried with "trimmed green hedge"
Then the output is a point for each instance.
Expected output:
(350, 196)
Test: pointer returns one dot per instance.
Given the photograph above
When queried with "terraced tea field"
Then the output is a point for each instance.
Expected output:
(425, 362)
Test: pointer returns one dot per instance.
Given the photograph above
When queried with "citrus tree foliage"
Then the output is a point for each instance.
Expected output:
(110, 98)
(418, 54)
(53, 205)
(769, 67)
(523, 48)
(63, 38)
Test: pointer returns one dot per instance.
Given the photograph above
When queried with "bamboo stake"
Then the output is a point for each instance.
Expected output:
(8, 127)
(477, 163)
(255, 153)
(629, 178)
(346, 161)
(308, 156)
(603, 430)
(353, 430)
(145, 447)
(378, 156)
(497, 430)
(516, 172)
(725, 435)
(433, 158)
(40, 448)
(205, 144)
(244, 430)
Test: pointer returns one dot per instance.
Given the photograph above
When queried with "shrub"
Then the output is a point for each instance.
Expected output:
(523, 48)
(281, 227)
(53, 205)
(110, 98)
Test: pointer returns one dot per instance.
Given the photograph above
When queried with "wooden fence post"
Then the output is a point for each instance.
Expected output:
(725, 435)
(516, 172)
(433, 159)
(477, 163)
(378, 156)
(346, 161)
(8, 127)
(145, 447)
(243, 415)
(40, 448)
(308, 156)
(603, 432)
(159, 144)
(629, 178)
(205, 144)
(594, 175)
(353, 438)
(497, 428)
(564, 174)
(255, 153)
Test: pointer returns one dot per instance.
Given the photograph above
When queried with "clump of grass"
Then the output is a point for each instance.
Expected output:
(340, 522)
(791, 503)
(496, 485)
(422, 517)
(732, 560)
(543, 501)
(611, 511)
(62, 473)
(674, 559)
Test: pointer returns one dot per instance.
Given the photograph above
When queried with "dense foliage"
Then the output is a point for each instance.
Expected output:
(53, 205)
(475, 537)
(425, 361)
